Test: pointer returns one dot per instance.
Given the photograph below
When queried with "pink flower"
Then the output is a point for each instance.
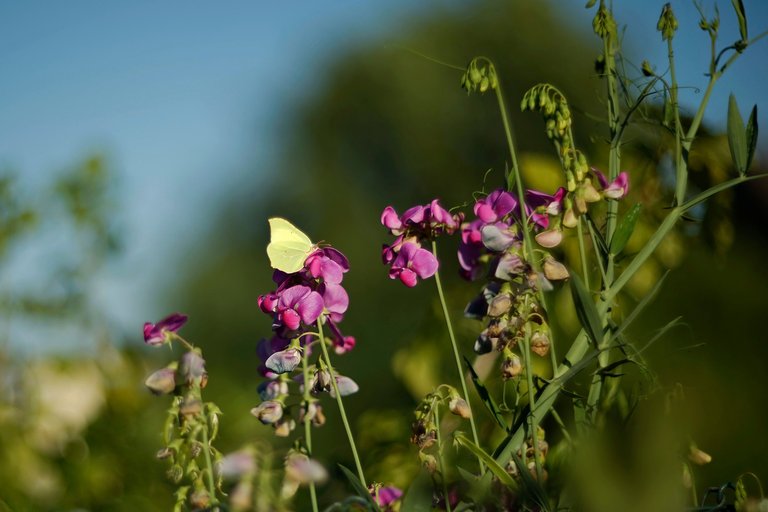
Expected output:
(162, 331)
(411, 263)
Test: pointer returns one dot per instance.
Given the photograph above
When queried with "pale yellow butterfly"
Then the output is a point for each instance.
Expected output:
(288, 246)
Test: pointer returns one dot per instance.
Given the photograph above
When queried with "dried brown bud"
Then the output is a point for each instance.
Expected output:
(554, 270)
(511, 367)
(162, 382)
(499, 305)
(540, 343)
(550, 238)
(459, 407)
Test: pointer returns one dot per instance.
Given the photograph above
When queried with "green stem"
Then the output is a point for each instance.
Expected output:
(456, 356)
(582, 252)
(340, 403)
(518, 178)
(208, 463)
(533, 428)
(442, 461)
(308, 424)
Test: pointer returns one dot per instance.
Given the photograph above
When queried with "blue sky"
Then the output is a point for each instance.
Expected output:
(175, 93)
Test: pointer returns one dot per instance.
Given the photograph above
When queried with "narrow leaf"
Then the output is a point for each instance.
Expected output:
(703, 196)
(625, 229)
(487, 399)
(586, 310)
(532, 486)
(737, 136)
(504, 477)
(647, 299)
(359, 488)
(738, 6)
(751, 133)
(598, 237)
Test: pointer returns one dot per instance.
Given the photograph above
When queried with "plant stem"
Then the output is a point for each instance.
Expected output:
(518, 178)
(442, 461)
(582, 252)
(308, 424)
(208, 463)
(456, 356)
(533, 428)
(340, 403)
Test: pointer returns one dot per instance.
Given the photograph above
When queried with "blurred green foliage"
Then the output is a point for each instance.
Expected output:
(382, 126)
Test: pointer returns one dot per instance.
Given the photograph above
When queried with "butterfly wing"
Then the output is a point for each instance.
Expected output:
(288, 246)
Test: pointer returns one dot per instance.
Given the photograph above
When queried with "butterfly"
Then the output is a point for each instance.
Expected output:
(288, 246)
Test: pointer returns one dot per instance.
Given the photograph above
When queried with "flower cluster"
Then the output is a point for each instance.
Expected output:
(192, 424)
(301, 300)
(408, 261)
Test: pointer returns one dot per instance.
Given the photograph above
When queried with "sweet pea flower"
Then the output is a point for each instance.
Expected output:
(335, 300)
(440, 218)
(385, 497)
(162, 331)
(495, 206)
(391, 220)
(327, 264)
(616, 189)
(299, 304)
(411, 263)
(341, 344)
(543, 205)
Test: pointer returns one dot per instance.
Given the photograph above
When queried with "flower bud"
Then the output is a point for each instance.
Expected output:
(284, 361)
(697, 456)
(284, 427)
(549, 238)
(345, 385)
(483, 344)
(569, 218)
(271, 389)
(302, 469)
(429, 462)
(499, 305)
(175, 473)
(268, 412)
(241, 497)
(191, 406)
(200, 499)
(540, 343)
(237, 464)
(554, 270)
(192, 368)
(511, 367)
(667, 24)
(162, 382)
(459, 407)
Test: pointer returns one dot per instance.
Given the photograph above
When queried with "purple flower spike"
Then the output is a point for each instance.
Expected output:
(411, 263)
(160, 333)
(495, 206)
(299, 304)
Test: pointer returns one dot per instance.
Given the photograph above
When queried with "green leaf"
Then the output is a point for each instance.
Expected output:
(418, 498)
(535, 490)
(625, 229)
(751, 135)
(487, 399)
(504, 477)
(640, 307)
(590, 4)
(737, 136)
(359, 488)
(586, 310)
(703, 196)
(738, 6)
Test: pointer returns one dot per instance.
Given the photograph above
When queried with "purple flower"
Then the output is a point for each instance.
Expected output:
(411, 263)
(341, 344)
(268, 412)
(161, 332)
(335, 299)
(299, 304)
(495, 206)
(327, 264)
(391, 221)
(471, 249)
(345, 385)
(497, 237)
(385, 497)
(413, 216)
(440, 219)
(543, 205)
(284, 361)
(616, 189)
